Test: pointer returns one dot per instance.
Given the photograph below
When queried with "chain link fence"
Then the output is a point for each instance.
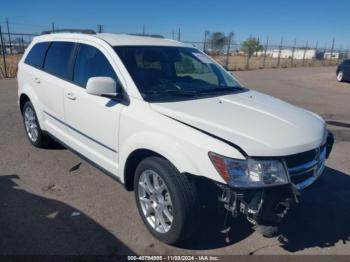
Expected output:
(273, 56)
(228, 55)
(12, 47)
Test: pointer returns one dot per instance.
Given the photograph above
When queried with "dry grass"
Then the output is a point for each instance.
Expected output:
(11, 65)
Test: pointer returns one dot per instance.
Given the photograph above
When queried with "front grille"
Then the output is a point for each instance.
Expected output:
(296, 179)
(300, 159)
(304, 168)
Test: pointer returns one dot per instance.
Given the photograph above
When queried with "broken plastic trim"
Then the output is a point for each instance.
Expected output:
(264, 208)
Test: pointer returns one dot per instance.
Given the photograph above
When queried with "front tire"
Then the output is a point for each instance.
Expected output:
(340, 76)
(31, 124)
(166, 200)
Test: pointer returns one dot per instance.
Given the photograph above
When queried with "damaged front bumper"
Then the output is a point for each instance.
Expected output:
(266, 207)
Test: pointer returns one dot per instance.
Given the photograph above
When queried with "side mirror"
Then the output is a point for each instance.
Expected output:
(102, 86)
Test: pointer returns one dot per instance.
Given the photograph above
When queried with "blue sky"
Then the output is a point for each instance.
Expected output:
(304, 20)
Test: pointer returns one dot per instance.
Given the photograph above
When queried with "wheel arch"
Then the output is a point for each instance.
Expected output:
(181, 161)
(131, 164)
(27, 94)
(22, 100)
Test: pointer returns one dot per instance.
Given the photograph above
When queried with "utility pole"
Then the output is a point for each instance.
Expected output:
(143, 29)
(9, 35)
(229, 39)
(22, 44)
(173, 34)
(332, 49)
(179, 35)
(305, 49)
(266, 46)
(53, 27)
(279, 53)
(324, 53)
(99, 28)
(293, 52)
(206, 33)
(316, 52)
(3, 52)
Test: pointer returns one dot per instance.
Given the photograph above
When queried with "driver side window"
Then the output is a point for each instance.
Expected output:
(91, 62)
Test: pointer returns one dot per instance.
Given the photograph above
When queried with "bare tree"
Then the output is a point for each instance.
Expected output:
(218, 41)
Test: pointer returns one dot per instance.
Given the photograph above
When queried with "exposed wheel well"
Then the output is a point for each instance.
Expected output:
(131, 163)
(22, 100)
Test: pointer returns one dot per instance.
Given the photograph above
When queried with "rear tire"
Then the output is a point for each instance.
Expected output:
(340, 76)
(31, 125)
(174, 197)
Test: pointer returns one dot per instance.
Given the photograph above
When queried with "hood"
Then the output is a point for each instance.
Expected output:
(257, 123)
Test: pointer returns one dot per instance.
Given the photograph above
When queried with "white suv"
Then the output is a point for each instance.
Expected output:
(159, 115)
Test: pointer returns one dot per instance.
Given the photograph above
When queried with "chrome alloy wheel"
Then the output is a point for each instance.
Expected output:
(155, 201)
(31, 124)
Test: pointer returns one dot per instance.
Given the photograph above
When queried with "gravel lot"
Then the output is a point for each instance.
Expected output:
(41, 191)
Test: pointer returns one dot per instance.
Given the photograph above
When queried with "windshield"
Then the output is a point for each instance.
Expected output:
(163, 72)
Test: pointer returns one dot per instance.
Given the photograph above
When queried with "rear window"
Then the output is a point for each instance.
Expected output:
(58, 57)
(36, 55)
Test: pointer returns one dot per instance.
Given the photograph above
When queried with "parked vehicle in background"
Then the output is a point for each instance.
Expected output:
(159, 116)
(343, 71)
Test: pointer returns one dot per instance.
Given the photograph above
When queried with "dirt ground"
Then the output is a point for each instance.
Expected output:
(53, 202)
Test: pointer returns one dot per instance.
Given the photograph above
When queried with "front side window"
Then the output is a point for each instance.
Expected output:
(58, 58)
(91, 62)
(36, 55)
(163, 72)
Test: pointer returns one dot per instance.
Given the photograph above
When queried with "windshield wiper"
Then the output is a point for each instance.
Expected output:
(173, 91)
(220, 89)
(181, 92)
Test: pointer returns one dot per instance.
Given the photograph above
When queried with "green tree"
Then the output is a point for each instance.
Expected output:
(251, 46)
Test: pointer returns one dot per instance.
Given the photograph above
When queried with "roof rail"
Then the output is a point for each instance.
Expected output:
(147, 35)
(82, 31)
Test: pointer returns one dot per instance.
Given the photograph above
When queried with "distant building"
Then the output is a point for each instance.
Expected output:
(331, 55)
(289, 53)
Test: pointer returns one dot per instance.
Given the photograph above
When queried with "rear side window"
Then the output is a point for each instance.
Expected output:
(36, 55)
(91, 62)
(58, 57)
